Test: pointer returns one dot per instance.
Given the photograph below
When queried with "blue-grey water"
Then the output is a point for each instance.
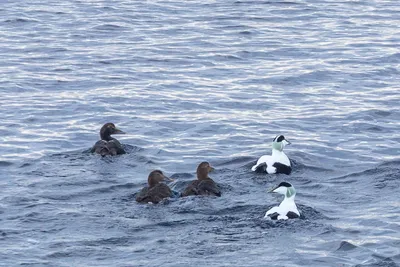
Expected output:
(191, 81)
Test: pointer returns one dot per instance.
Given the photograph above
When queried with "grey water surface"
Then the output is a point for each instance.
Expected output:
(191, 81)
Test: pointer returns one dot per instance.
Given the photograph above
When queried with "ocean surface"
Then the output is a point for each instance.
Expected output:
(193, 81)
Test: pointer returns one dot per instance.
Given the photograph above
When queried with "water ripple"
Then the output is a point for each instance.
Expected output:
(188, 82)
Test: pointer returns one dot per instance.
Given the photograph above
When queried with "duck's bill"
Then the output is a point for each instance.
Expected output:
(212, 169)
(273, 189)
(118, 131)
(169, 179)
(288, 142)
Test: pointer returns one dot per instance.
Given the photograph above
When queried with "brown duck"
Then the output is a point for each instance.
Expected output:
(155, 191)
(204, 185)
(108, 145)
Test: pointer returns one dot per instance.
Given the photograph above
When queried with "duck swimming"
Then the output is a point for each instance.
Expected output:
(204, 185)
(287, 209)
(278, 162)
(108, 145)
(155, 191)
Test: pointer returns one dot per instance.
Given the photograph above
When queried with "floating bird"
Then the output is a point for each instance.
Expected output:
(278, 162)
(155, 191)
(287, 209)
(204, 185)
(108, 145)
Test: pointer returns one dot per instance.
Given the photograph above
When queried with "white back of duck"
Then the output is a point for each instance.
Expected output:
(287, 209)
(277, 162)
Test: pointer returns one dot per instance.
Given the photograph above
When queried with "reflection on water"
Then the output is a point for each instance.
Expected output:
(194, 81)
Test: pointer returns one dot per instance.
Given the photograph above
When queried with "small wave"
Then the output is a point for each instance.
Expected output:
(2, 234)
(236, 161)
(380, 262)
(293, 225)
(298, 167)
(245, 32)
(346, 246)
(250, 2)
(105, 62)
(109, 27)
(227, 57)
(132, 149)
(240, 209)
(62, 69)
(381, 113)
(179, 185)
(170, 224)
(20, 20)
(183, 175)
(121, 240)
(391, 164)
(5, 163)
(393, 58)
(385, 174)
(111, 188)
(73, 155)
(59, 254)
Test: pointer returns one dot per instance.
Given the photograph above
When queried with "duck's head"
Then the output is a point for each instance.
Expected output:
(284, 188)
(279, 142)
(109, 129)
(203, 169)
(156, 177)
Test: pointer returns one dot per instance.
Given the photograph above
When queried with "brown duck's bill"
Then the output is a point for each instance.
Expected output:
(212, 169)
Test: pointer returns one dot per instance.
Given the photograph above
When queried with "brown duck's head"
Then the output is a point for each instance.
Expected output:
(156, 177)
(109, 129)
(203, 169)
